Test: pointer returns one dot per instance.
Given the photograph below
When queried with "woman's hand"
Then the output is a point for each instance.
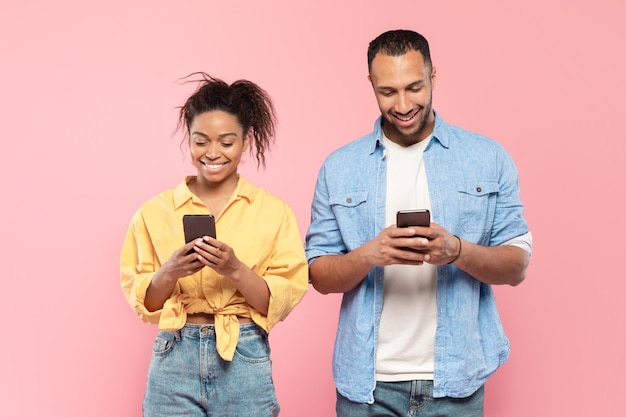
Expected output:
(182, 263)
(222, 259)
(218, 256)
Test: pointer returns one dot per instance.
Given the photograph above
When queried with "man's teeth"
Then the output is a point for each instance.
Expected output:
(405, 119)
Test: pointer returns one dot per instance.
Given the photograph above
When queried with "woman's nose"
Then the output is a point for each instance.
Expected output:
(212, 153)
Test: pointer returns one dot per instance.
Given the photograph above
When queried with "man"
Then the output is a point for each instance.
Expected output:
(418, 327)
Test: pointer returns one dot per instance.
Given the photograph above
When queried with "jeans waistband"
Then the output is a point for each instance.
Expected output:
(198, 331)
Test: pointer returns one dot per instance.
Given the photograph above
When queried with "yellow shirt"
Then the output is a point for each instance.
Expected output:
(264, 234)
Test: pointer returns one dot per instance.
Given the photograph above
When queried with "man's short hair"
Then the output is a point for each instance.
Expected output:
(396, 43)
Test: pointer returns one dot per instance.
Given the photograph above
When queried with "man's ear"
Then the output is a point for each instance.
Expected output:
(433, 77)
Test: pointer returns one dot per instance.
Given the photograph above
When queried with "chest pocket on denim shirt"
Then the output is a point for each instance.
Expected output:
(477, 204)
(350, 210)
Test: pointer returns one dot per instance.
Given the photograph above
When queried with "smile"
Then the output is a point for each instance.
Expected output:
(406, 118)
(213, 166)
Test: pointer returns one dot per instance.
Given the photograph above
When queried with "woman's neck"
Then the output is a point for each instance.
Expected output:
(214, 196)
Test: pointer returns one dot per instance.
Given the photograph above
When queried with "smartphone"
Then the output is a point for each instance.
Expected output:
(419, 217)
(198, 225)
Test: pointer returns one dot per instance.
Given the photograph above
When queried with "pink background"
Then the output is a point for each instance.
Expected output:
(88, 94)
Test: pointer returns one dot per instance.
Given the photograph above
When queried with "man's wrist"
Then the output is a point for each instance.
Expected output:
(458, 253)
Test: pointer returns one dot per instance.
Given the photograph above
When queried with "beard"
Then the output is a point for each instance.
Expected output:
(409, 135)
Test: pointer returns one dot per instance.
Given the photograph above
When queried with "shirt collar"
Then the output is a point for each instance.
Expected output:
(182, 194)
(438, 132)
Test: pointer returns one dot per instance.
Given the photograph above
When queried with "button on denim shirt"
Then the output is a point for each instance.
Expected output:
(474, 193)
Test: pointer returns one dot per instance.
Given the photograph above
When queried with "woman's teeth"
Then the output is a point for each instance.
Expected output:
(213, 166)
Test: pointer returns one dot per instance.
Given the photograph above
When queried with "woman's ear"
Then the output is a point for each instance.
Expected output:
(247, 139)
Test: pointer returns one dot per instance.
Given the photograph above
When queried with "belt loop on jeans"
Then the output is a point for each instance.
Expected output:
(177, 335)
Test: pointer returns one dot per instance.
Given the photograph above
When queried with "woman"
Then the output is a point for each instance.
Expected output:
(215, 300)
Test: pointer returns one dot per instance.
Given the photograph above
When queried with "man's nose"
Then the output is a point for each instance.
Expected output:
(403, 104)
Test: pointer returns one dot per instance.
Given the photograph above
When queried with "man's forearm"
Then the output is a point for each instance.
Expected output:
(339, 273)
(496, 265)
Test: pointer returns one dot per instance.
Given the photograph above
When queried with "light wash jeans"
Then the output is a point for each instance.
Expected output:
(188, 378)
(411, 398)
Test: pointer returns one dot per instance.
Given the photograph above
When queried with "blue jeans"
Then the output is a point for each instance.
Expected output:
(188, 378)
(411, 398)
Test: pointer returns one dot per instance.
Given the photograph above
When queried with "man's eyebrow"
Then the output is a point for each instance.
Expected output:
(416, 84)
(413, 84)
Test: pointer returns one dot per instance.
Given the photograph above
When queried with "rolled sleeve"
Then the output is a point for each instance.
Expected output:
(286, 275)
(137, 267)
(509, 221)
(323, 235)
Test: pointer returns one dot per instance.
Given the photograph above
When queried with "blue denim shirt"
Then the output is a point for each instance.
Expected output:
(474, 193)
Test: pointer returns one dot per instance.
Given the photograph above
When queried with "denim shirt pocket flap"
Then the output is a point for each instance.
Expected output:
(477, 205)
(349, 198)
(478, 188)
(351, 213)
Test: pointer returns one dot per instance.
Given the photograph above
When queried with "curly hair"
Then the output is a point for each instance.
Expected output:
(396, 43)
(250, 104)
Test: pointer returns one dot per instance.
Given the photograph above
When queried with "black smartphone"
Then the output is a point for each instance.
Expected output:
(419, 217)
(198, 225)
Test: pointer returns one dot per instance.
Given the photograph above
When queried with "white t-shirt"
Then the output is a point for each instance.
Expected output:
(406, 338)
